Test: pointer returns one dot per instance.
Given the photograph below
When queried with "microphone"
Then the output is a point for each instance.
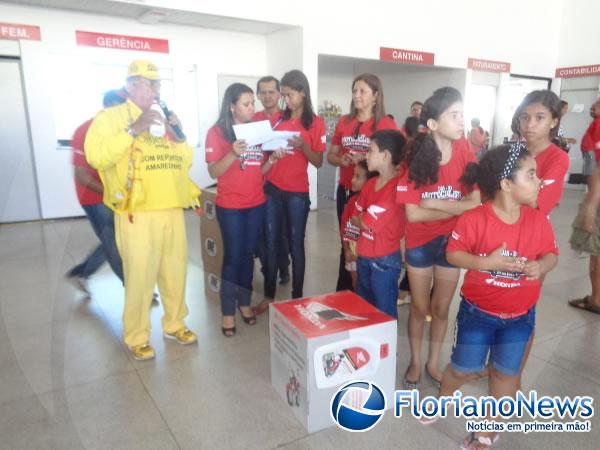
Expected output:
(176, 128)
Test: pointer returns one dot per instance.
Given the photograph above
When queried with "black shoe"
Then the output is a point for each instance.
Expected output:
(228, 332)
(248, 320)
(284, 278)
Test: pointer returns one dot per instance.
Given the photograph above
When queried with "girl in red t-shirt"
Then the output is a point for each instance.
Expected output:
(287, 183)
(507, 247)
(434, 198)
(239, 171)
(537, 120)
(350, 143)
(348, 231)
(381, 221)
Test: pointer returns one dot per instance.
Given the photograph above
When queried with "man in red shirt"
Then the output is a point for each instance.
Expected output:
(585, 234)
(591, 137)
(476, 137)
(89, 192)
(267, 90)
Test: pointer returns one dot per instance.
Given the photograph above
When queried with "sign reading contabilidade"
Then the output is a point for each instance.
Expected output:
(121, 42)
(578, 71)
(16, 32)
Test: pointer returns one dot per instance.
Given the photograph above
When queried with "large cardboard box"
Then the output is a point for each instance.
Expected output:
(319, 343)
(212, 244)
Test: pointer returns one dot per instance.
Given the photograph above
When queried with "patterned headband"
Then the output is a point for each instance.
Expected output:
(513, 155)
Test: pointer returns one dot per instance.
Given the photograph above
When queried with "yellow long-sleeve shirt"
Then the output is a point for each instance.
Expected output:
(144, 173)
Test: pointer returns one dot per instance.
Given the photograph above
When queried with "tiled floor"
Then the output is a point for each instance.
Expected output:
(66, 381)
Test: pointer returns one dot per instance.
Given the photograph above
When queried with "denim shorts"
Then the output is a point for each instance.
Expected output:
(478, 335)
(430, 254)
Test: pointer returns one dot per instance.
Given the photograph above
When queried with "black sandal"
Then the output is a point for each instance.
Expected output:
(250, 320)
(228, 332)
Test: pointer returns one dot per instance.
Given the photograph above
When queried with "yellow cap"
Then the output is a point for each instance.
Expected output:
(145, 69)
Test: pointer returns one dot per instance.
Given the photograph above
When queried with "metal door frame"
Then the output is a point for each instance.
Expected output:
(36, 185)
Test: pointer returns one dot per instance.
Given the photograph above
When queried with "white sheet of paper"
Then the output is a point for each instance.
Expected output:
(254, 133)
(276, 144)
(280, 140)
(577, 108)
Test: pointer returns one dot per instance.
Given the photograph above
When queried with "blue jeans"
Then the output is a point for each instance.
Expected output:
(240, 229)
(429, 254)
(378, 281)
(478, 334)
(102, 220)
(283, 259)
(295, 207)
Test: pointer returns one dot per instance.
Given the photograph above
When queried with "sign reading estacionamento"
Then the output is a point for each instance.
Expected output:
(121, 42)
(16, 32)
(485, 65)
(578, 71)
(406, 56)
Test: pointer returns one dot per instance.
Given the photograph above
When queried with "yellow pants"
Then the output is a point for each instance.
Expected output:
(154, 250)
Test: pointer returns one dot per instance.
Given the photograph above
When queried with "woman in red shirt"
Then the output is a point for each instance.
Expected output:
(239, 171)
(350, 143)
(434, 198)
(287, 183)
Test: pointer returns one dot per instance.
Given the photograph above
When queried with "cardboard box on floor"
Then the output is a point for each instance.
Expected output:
(320, 343)
(212, 245)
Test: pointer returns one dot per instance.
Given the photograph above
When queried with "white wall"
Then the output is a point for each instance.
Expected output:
(525, 33)
(402, 84)
(335, 81)
(402, 88)
(194, 58)
(579, 33)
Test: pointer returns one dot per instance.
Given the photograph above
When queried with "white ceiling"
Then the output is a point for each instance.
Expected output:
(134, 11)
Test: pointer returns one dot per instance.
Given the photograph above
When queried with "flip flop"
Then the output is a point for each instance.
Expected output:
(409, 385)
(584, 304)
(484, 440)
(437, 383)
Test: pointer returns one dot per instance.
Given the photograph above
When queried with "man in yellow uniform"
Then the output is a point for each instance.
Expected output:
(146, 183)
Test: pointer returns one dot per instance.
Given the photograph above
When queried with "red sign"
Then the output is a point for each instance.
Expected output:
(17, 32)
(405, 56)
(330, 313)
(120, 42)
(488, 66)
(578, 71)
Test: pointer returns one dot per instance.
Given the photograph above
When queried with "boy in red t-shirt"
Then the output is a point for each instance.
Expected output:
(507, 247)
(349, 232)
(381, 221)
